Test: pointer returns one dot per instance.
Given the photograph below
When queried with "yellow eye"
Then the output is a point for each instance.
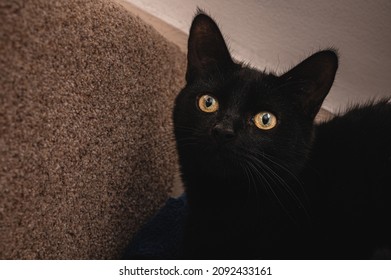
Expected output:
(208, 104)
(265, 120)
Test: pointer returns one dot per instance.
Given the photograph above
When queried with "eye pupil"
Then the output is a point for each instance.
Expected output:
(266, 119)
(209, 101)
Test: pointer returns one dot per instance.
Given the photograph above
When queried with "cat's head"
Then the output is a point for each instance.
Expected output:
(231, 119)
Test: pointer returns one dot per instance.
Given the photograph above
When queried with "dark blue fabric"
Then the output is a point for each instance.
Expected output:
(162, 236)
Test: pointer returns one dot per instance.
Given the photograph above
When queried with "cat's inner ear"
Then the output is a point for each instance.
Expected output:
(207, 50)
(311, 80)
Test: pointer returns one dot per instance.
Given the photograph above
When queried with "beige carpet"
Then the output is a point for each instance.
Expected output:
(86, 146)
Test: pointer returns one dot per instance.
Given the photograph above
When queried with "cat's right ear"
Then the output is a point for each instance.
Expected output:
(207, 50)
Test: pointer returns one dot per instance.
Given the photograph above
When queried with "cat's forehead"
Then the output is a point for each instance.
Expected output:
(251, 85)
(249, 90)
(248, 78)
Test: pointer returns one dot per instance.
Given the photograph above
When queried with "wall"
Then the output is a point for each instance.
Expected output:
(275, 35)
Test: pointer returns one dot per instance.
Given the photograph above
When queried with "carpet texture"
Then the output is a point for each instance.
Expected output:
(86, 146)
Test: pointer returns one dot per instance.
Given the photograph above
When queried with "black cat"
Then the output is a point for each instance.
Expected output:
(262, 180)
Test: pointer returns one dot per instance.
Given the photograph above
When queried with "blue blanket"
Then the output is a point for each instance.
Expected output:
(162, 236)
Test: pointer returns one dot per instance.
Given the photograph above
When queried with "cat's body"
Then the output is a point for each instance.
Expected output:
(348, 179)
(261, 180)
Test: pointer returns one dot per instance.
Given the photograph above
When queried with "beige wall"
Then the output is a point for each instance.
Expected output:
(277, 34)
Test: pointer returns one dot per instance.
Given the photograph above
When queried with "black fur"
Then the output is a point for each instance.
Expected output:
(296, 191)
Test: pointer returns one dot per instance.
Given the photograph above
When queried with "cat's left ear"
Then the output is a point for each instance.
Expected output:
(207, 50)
(312, 80)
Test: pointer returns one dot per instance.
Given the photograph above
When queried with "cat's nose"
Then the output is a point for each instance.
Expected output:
(223, 133)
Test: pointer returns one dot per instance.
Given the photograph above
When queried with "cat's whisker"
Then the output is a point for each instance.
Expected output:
(275, 161)
(263, 176)
(188, 140)
(249, 178)
(258, 178)
(284, 185)
(262, 167)
(289, 189)
(262, 170)
(283, 167)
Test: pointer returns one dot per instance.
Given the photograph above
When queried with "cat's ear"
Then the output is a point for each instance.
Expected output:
(312, 80)
(207, 50)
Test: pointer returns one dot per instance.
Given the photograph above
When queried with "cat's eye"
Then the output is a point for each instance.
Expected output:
(265, 120)
(208, 104)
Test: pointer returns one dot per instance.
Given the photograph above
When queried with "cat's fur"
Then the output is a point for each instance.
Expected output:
(298, 190)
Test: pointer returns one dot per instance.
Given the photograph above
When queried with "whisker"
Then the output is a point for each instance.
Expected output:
(295, 178)
(279, 182)
(286, 186)
(270, 188)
